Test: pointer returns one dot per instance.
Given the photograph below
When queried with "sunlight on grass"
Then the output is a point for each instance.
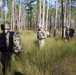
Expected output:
(50, 60)
(57, 57)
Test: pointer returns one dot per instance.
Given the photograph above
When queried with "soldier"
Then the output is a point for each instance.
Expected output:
(7, 47)
(41, 35)
(67, 32)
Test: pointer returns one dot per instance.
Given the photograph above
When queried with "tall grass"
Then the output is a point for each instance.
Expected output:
(57, 57)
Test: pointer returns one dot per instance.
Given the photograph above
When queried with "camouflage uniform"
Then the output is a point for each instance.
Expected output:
(41, 35)
(47, 33)
(6, 49)
(67, 32)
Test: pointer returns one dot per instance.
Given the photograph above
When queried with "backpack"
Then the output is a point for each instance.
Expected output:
(14, 43)
(17, 48)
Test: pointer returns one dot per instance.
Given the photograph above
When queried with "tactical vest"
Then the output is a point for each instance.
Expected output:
(41, 35)
(9, 41)
(6, 42)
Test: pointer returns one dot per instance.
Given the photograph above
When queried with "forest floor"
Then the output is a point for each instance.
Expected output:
(57, 57)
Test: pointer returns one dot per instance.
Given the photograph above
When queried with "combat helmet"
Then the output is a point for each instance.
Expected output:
(39, 26)
(4, 26)
(68, 26)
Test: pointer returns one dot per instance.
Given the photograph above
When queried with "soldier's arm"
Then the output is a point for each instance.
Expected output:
(44, 34)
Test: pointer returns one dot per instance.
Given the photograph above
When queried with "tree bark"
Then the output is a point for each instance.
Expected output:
(13, 23)
(65, 19)
(62, 21)
(55, 27)
(43, 22)
(47, 14)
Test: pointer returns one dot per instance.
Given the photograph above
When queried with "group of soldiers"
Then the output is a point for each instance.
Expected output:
(42, 34)
(10, 42)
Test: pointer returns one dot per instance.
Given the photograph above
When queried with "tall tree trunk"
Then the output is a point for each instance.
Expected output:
(43, 22)
(40, 13)
(69, 12)
(62, 21)
(1, 14)
(11, 23)
(24, 19)
(75, 17)
(13, 15)
(47, 14)
(5, 10)
(50, 3)
(20, 17)
(65, 19)
(56, 18)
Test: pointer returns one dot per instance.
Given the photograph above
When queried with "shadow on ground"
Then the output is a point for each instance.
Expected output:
(18, 73)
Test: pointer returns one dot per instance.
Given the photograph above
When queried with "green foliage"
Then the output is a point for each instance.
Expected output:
(57, 57)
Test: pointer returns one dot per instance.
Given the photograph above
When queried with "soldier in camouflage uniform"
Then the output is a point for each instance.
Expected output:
(41, 35)
(7, 43)
(67, 32)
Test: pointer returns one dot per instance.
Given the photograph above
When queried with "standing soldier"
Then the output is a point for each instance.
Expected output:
(67, 32)
(41, 35)
(6, 47)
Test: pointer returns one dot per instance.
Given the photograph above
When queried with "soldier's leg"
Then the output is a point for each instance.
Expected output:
(3, 60)
(42, 43)
(39, 43)
(8, 63)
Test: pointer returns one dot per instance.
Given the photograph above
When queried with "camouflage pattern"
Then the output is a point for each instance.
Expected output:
(41, 35)
(17, 43)
(67, 34)
(41, 43)
(47, 33)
